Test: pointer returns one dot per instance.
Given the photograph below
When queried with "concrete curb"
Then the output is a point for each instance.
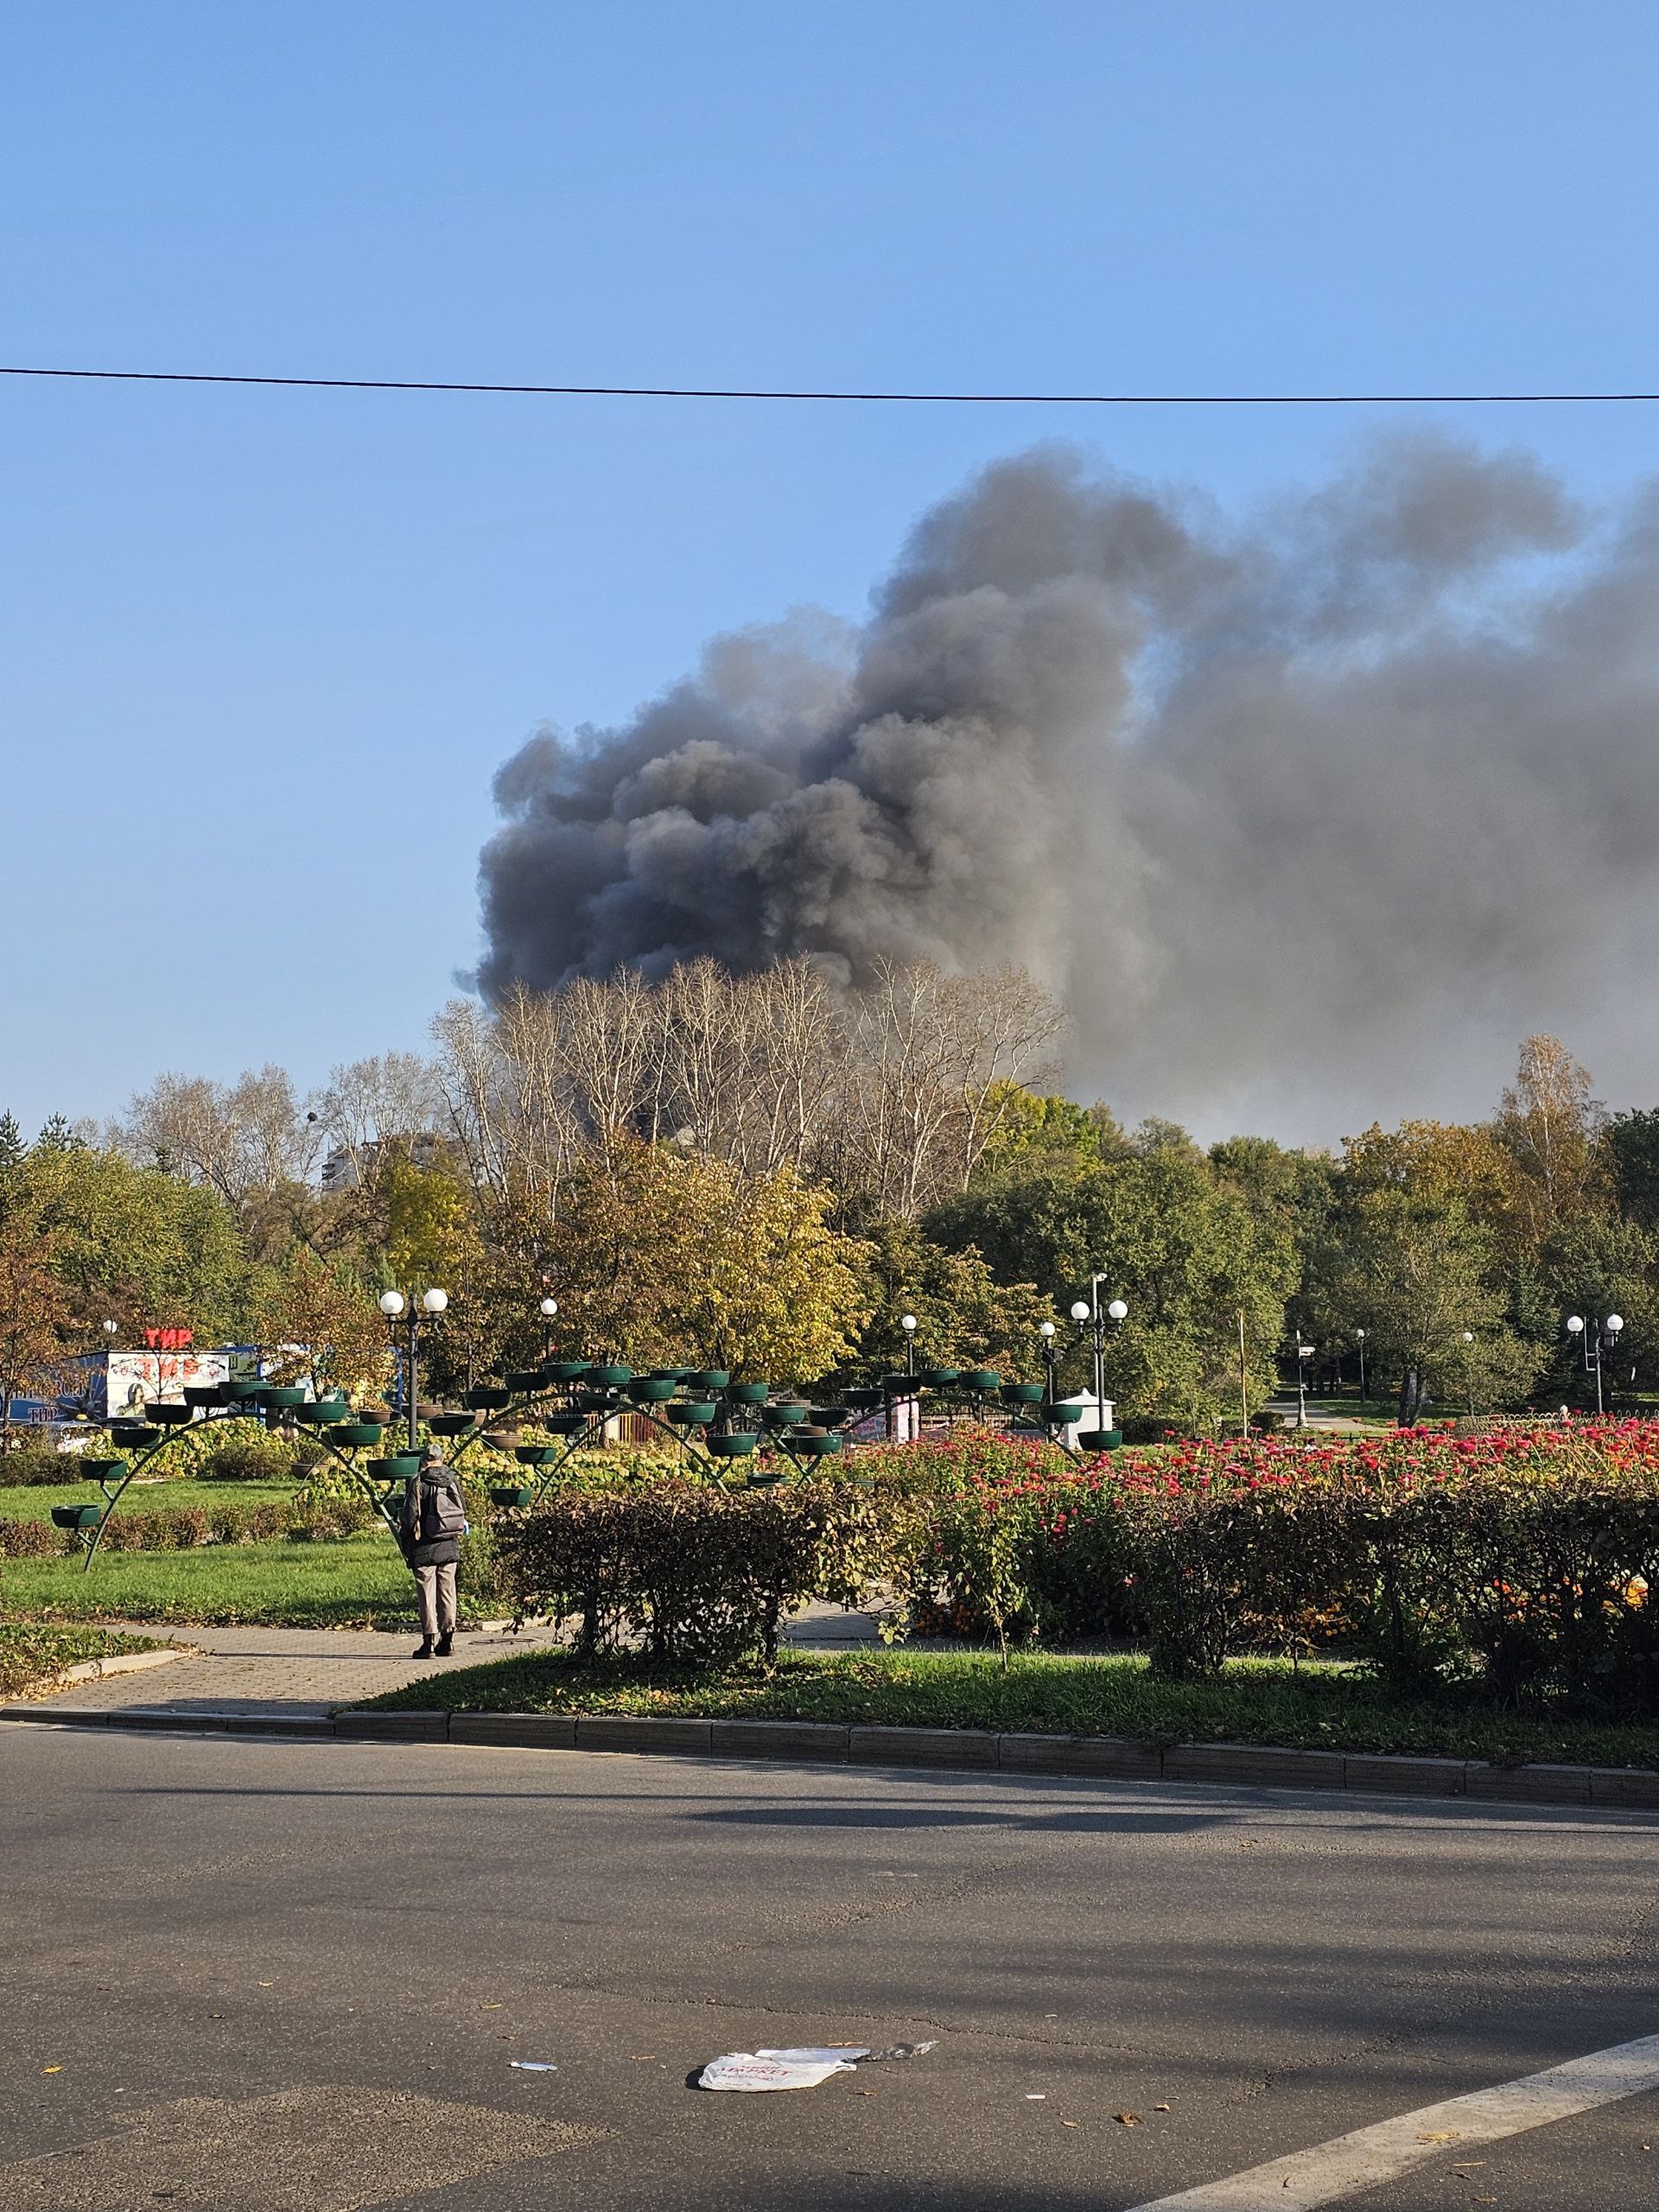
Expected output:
(122, 1662)
(1255, 1766)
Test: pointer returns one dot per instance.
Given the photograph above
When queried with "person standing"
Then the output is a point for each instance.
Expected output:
(430, 1532)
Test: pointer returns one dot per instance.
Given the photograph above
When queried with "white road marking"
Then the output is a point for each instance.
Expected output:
(1371, 2155)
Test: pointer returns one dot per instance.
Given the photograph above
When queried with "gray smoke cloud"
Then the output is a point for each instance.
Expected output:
(1307, 817)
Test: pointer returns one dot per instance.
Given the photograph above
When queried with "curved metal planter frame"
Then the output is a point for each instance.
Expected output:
(381, 1496)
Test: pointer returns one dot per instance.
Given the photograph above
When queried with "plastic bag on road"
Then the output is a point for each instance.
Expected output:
(803, 2067)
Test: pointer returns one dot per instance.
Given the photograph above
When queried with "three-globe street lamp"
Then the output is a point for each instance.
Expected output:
(412, 1312)
(1092, 1319)
(1593, 1341)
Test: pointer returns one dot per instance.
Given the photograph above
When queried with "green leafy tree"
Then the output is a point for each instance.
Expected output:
(658, 1253)
(1185, 1253)
(964, 1317)
(1633, 1143)
(1419, 1268)
(134, 1242)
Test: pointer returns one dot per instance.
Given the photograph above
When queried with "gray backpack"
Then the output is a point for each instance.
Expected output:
(438, 1512)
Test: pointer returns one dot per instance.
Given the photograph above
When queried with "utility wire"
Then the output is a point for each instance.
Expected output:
(909, 398)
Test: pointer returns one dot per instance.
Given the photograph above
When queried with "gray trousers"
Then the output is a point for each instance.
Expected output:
(436, 1586)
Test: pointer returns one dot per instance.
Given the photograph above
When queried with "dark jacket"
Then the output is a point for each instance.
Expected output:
(418, 1497)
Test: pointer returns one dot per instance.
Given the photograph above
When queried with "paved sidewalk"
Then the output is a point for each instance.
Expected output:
(305, 1673)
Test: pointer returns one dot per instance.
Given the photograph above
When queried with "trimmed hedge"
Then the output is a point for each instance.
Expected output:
(693, 1573)
(1518, 1571)
(182, 1528)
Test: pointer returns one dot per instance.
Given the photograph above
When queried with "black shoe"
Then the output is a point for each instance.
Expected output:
(445, 1647)
(423, 1648)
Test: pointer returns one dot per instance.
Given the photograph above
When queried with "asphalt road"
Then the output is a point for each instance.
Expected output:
(290, 1978)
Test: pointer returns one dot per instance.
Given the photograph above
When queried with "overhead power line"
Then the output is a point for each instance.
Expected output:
(908, 398)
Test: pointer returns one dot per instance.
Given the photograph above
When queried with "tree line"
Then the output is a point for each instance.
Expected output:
(766, 1171)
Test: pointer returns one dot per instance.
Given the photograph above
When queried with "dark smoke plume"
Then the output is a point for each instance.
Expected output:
(1309, 818)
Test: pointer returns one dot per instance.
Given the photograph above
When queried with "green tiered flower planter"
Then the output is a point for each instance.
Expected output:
(1022, 1393)
(535, 1455)
(76, 1516)
(981, 1378)
(356, 1436)
(449, 1424)
(565, 1371)
(491, 1400)
(511, 1494)
(749, 1394)
(523, 1382)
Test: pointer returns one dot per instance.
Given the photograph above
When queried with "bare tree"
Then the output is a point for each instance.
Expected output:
(243, 1139)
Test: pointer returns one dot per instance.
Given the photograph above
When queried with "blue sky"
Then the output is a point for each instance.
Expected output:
(260, 653)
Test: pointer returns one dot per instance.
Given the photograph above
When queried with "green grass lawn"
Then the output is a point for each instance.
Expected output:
(358, 1582)
(1254, 1701)
(33, 1655)
(34, 1500)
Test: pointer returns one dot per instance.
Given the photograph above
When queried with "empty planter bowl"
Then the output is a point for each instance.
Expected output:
(172, 1416)
(489, 1400)
(356, 1436)
(524, 1382)
(514, 1494)
(1099, 1439)
(535, 1455)
(565, 1371)
(738, 1445)
(652, 1389)
(612, 1377)
(135, 1435)
(1022, 1393)
(749, 1394)
(941, 1378)
(449, 1424)
(785, 1414)
(76, 1516)
(396, 1467)
(981, 1378)
(807, 1445)
(102, 1470)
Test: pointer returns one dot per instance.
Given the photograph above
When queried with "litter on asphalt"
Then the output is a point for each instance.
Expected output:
(803, 2067)
(533, 2065)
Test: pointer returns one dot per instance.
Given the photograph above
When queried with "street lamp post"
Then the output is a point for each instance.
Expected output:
(1045, 1330)
(1092, 1319)
(1304, 1353)
(907, 1323)
(1593, 1341)
(550, 1308)
(412, 1312)
(1359, 1338)
(1469, 1371)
